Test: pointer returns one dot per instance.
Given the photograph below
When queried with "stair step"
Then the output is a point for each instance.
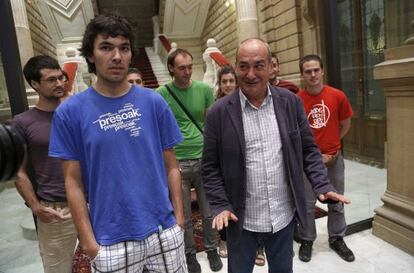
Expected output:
(159, 68)
(143, 63)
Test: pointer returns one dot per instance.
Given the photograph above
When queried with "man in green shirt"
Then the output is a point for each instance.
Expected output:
(195, 97)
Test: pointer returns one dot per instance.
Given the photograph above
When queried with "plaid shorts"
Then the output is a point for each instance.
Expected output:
(161, 252)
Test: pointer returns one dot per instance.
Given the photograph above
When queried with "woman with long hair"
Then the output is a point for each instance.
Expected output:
(227, 81)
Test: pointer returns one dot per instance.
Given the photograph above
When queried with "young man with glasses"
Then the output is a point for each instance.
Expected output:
(55, 229)
(329, 115)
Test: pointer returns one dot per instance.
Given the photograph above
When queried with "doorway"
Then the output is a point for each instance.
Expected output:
(361, 26)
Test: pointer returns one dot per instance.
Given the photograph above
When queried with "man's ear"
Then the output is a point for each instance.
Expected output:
(170, 68)
(34, 84)
(91, 59)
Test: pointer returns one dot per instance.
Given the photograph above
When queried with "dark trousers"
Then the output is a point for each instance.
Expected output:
(191, 176)
(278, 247)
(336, 212)
(223, 235)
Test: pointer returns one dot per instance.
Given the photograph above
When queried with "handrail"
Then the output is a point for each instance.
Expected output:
(70, 68)
(219, 59)
(165, 42)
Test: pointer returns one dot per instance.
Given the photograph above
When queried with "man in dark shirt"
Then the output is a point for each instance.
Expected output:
(55, 229)
(277, 82)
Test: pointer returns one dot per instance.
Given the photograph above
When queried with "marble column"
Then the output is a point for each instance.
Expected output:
(247, 22)
(394, 221)
(156, 30)
(22, 30)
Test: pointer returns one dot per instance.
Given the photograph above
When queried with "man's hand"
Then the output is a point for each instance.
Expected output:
(180, 221)
(335, 197)
(222, 219)
(91, 250)
(46, 214)
(328, 160)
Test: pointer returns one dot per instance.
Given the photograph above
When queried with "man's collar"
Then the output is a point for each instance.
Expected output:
(178, 87)
(244, 100)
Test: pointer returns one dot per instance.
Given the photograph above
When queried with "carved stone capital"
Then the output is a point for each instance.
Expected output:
(308, 11)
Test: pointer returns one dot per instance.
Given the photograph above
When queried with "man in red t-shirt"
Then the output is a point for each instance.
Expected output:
(329, 114)
(280, 83)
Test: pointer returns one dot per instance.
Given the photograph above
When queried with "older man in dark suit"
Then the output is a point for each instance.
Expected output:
(257, 145)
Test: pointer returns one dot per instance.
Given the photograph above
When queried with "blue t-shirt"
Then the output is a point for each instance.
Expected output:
(119, 144)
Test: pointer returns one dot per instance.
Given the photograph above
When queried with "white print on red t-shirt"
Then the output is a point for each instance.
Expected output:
(319, 115)
(125, 119)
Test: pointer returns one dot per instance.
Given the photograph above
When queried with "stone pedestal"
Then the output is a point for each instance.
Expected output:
(394, 221)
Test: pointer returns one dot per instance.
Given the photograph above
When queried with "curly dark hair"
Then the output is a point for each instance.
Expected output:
(110, 24)
(33, 66)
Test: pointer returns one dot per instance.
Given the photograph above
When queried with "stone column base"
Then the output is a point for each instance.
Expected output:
(394, 221)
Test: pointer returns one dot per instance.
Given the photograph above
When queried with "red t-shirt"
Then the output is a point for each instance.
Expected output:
(325, 111)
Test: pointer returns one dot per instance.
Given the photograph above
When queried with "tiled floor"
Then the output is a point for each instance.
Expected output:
(364, 185)
(373, 255)
(17, 255)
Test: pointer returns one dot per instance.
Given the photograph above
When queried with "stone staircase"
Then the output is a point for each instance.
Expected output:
(144, 66)
(32, 98)
(159, 69)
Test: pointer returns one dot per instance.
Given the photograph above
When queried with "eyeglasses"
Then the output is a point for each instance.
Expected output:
(309, 71)
(53, 80)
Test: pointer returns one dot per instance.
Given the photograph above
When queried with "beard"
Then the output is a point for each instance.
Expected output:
(55, 95)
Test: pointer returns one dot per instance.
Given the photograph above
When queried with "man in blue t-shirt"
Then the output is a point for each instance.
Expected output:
(121, 175)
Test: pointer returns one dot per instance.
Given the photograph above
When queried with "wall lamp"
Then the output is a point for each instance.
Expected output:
(229, 2)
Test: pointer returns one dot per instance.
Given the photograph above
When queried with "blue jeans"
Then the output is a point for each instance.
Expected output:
(278, 248)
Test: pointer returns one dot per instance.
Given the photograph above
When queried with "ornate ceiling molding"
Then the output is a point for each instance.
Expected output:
(185, 18)
(66, 19)
(66, 8)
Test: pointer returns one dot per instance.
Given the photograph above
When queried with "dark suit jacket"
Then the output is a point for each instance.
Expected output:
(223, 162)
